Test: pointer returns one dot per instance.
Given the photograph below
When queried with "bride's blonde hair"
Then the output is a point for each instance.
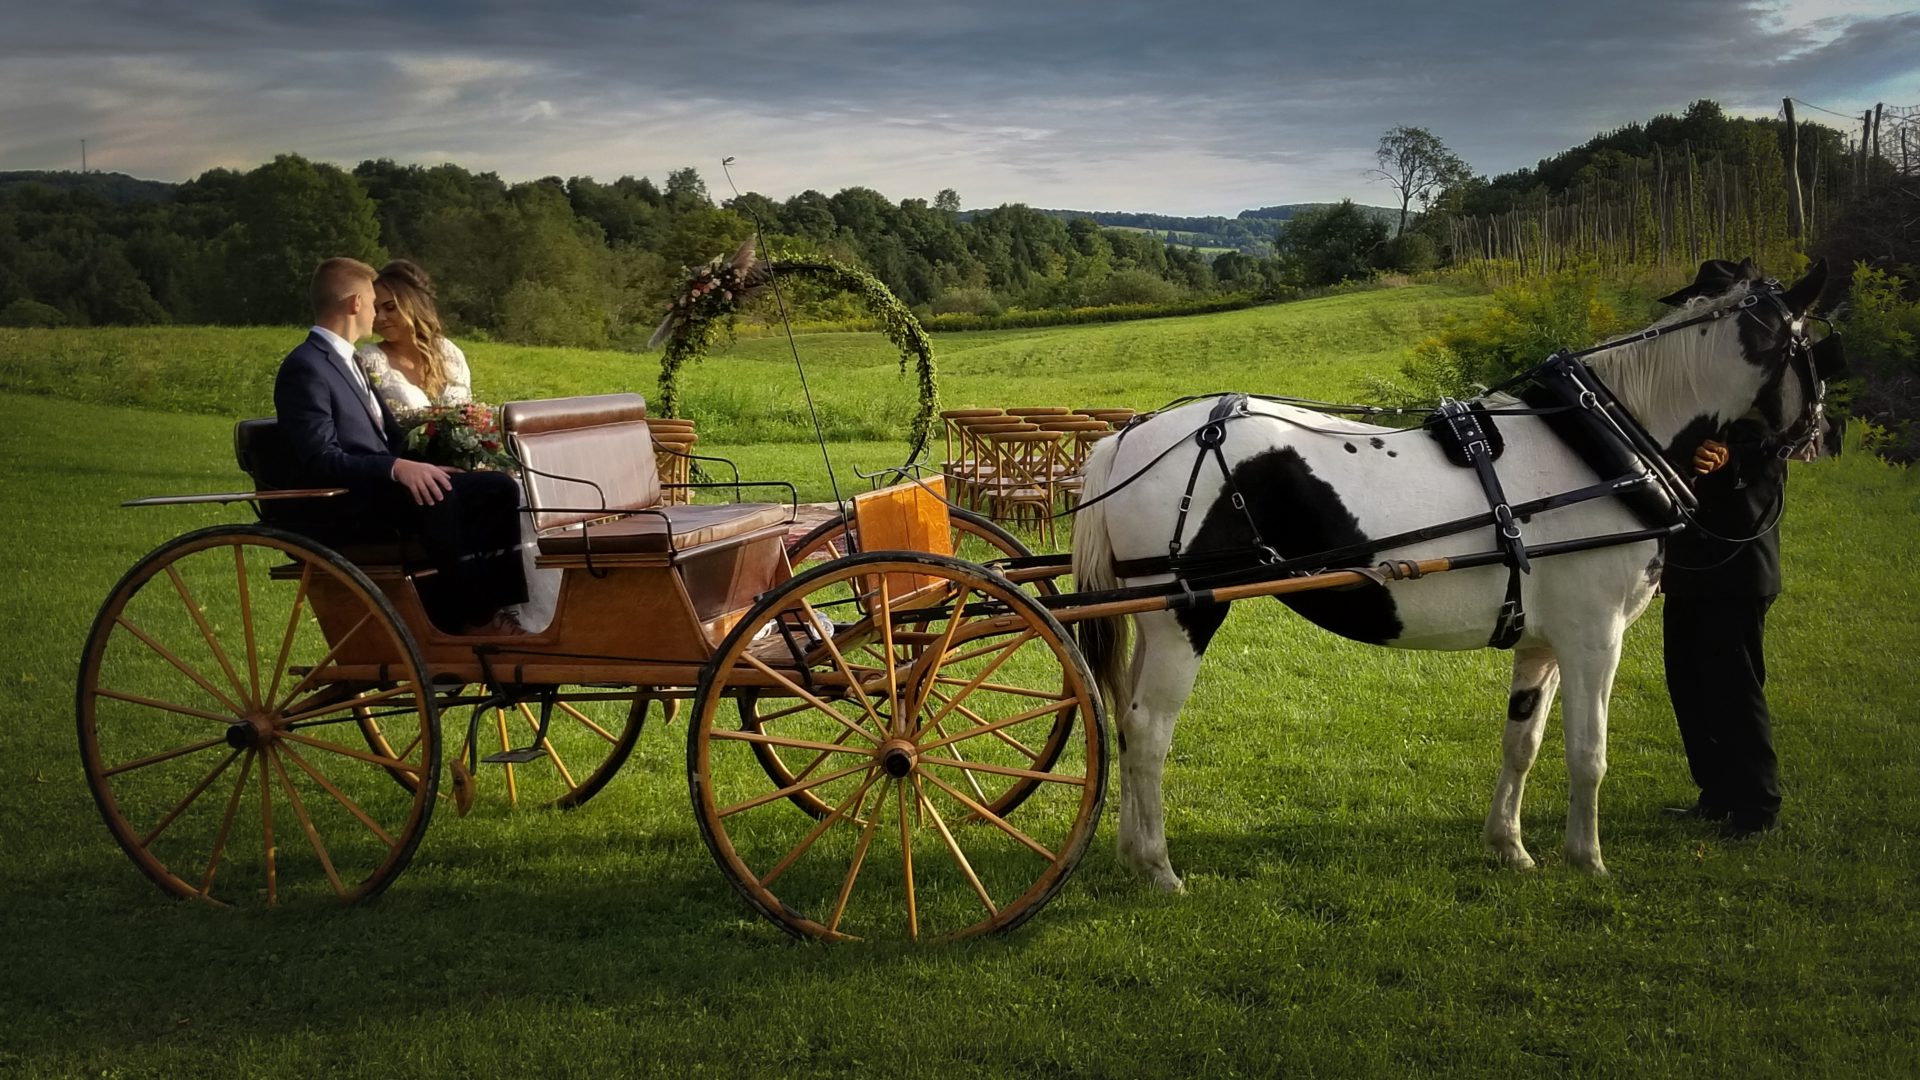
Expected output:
(412, 292)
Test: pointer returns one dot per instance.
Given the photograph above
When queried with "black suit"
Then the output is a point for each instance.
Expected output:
(331, 439)
(1715, 619)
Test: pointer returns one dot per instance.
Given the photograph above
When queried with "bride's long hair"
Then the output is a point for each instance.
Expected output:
(412, 292)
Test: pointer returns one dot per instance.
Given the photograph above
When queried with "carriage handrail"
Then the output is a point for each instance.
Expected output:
(236, 496)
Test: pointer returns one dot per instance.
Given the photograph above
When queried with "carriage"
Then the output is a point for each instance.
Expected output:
(892, 742)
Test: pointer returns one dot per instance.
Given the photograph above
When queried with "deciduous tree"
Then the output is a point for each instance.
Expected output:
(1417, 165)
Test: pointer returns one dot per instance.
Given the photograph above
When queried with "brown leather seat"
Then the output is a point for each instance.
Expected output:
(667, 529)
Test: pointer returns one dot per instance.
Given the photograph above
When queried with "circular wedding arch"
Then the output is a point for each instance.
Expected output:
(716, 291)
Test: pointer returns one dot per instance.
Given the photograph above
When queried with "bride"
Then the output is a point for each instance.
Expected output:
(414, 366)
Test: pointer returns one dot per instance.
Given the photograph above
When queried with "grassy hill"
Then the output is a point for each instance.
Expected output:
(1325, 801)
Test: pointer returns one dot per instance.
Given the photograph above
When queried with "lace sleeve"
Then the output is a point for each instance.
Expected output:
(459, 386)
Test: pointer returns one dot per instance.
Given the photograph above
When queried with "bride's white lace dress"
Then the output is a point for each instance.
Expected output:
(400, 393)
(404, 398)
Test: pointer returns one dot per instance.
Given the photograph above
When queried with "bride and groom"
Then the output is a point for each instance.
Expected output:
(339, 421)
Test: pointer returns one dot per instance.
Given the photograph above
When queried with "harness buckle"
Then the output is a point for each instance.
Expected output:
(1239, 501)
(1503, 517)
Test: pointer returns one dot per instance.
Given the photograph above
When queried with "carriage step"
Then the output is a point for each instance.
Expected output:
(516, 757)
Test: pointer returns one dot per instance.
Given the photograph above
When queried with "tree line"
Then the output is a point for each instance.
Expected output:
(550, 261)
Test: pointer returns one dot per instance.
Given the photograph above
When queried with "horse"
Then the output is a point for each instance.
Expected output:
(1304, 481)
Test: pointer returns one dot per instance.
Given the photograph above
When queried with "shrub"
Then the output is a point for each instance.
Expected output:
(1881, 329)
(1411, 252)
(1525, 323)
(31, 313)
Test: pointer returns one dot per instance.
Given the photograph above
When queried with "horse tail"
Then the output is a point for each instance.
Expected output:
(1103, 641)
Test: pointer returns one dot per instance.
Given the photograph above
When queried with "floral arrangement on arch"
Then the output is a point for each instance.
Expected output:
(464, 436)
(715, 291)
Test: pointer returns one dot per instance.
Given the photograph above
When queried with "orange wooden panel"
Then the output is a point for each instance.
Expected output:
(905, 517)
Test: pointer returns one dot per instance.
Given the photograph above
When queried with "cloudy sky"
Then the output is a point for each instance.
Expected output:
(1201, 107)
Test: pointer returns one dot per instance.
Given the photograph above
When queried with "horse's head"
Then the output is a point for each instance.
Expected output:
(1762, 363)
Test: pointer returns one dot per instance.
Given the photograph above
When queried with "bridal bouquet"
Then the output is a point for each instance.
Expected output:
(465, 436)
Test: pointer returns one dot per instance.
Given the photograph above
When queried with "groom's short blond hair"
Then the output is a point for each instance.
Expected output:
(336, 279)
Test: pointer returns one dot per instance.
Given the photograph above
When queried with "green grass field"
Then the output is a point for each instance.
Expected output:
(1325, 804)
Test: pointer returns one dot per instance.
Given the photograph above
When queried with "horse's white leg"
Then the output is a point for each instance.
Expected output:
(1536, 675)
(1587, 688)
(1164, 665)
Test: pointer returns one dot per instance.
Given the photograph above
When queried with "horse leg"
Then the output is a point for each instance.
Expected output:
(1588, 688)
(1536, 675)
(1164, 665)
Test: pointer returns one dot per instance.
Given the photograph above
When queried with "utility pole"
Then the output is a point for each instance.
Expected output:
(83, 157)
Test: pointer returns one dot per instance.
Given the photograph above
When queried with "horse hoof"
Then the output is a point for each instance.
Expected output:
(1514, 858)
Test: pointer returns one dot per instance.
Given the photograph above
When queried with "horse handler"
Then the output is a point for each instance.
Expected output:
(1719, 583)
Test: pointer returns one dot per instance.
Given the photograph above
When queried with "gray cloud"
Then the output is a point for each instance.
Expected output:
(1193, 108)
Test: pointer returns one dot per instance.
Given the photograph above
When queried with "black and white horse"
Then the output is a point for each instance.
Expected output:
(1312, 482)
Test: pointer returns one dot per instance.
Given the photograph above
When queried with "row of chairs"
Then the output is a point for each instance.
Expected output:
(1018, 464)
(673, 440)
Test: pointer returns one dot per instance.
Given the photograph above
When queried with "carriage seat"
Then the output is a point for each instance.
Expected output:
(258, 450)
(592, 458)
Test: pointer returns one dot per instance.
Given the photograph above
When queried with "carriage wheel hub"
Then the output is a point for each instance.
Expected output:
(249, 732)
(897, 756)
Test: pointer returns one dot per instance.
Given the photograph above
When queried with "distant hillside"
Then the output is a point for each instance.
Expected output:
(1251, 231)
(1388, 214)
(117, 188)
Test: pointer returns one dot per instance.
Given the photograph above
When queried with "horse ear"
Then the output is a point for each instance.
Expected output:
(1715, 277)
(1803, 294)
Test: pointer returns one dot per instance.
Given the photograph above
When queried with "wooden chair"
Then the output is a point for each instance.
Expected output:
(1080, 443)
(673, 440)
(1036, 411)
(974, 468)
(1118, 417)
(950, 424)
(1024, 478)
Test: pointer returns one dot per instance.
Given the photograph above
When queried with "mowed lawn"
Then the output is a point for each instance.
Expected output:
(1325, 804)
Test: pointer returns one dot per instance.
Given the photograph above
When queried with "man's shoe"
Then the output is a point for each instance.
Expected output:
(1741, 828)
(1699, 811)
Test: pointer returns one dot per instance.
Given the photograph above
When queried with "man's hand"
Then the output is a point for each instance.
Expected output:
(428, 484)
(1710, 456)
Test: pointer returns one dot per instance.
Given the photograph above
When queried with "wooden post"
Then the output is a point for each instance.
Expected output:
(1860, 159)
(1693, 228)
(1876, 134)
(1796, 211)
(1659, 201)
(1720, 174)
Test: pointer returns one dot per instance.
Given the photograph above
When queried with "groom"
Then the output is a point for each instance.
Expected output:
(338, 433)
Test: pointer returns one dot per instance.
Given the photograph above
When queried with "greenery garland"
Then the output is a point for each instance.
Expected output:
(716, 291)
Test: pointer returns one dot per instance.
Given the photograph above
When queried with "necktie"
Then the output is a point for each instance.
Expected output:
(367, 398)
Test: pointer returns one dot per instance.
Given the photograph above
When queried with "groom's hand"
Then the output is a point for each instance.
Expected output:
(428, 484)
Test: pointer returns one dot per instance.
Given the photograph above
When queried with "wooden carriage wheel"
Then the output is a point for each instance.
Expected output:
(976, 538)
(221, 750)
(590, 735)
(909, 694)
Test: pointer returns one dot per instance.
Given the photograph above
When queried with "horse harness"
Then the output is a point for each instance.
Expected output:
(1467, 433)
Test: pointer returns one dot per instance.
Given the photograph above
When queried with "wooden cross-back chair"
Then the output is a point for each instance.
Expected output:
(976, 466)
(1024, 480)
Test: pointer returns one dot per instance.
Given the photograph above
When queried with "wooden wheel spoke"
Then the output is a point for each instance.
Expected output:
(180, 665)
(1006, 653)
(206, 630)
(856, 801)
(906, 864)
(226, 825)
(989, 815)
(314, 672)
(246, 622)
(180, 807)
(998, 727)
(953, 847)
(782, 740)
(339, 796)
(165, 755)
(306, 822)
(972, 780)
(169, 706)
(293, 627)
(883, 618)
(814, 700)
(798, 786)
(761, 720)
(1005, 770)
(846, 669)
(997, 733)
(940, 648)
(588, 721)
(361, 702)
(853, 869)
(266, 831)
(998, 688)
(360, 755)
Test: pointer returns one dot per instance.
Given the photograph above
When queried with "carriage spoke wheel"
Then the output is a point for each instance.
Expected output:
(218, 730)
(975, 538)
(590, 735)
(937, 693)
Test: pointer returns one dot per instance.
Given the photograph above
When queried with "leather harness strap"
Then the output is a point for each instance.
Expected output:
(1472, 440)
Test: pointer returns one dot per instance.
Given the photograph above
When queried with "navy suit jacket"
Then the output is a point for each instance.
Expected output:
(329, 437)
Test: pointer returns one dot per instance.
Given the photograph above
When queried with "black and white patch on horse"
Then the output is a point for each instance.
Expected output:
(1307, 488)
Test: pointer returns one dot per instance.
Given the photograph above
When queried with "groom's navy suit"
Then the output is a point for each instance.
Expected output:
(329, 432)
